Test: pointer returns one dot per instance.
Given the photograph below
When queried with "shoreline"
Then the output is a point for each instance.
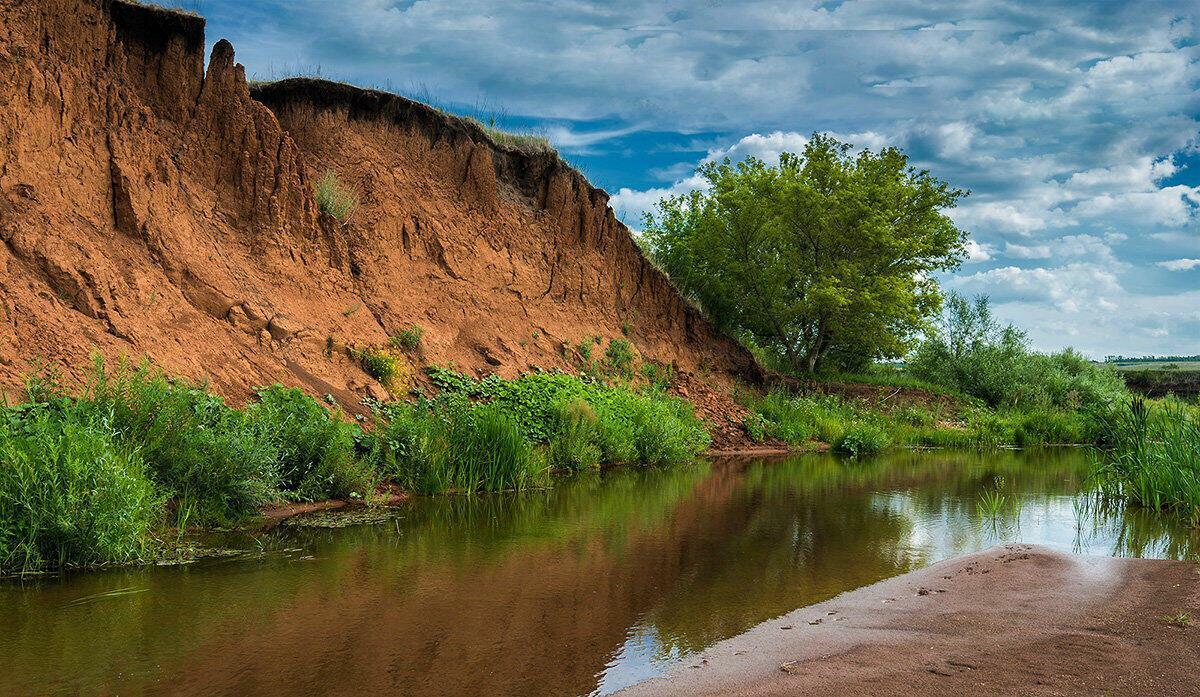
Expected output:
(1013, 619)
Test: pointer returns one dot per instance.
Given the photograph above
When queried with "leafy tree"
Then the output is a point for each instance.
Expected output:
(827, 257)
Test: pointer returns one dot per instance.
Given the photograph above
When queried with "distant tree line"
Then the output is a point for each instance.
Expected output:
(1150, 359)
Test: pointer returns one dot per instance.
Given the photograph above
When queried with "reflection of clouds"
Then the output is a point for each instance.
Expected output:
(641, 657)
(953, 526)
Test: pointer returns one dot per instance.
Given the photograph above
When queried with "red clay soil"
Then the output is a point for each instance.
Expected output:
(1012, 620)
(150, 206)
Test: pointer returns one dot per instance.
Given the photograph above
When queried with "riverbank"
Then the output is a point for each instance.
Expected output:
(1016, 619)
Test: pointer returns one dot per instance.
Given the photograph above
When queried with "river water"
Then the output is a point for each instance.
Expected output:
(582, 589)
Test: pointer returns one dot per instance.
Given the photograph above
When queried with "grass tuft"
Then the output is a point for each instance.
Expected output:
(334, 197)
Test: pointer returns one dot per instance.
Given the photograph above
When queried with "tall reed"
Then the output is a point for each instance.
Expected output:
(1154, 459)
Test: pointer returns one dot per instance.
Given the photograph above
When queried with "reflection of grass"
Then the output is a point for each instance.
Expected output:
(1136, 532)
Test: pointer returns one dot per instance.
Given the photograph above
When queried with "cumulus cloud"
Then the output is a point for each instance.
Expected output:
(1067, 288)
(1076, 131)
(1180, 264)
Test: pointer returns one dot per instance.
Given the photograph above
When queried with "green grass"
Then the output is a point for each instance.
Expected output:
(408, 339)
(100, 476)
(315, 449)
(334, 197)
(857, 426)
(859, 439)
(452, 444)
(1154, 457)
(632, 427)
(70, 493)
(208, 459)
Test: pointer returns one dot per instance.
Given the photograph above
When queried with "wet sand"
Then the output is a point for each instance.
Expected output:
(1016, 619)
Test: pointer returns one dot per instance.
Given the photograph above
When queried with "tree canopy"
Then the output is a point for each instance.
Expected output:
(826, 258)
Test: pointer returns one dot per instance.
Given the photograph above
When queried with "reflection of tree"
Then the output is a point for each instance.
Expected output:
(807, 528)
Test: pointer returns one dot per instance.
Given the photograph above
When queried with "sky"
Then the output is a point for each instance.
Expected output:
(1075, 125)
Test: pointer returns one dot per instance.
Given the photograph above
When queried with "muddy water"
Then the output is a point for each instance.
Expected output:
(579, 590)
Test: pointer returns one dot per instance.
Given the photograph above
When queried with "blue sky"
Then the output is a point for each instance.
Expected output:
(1075, 125)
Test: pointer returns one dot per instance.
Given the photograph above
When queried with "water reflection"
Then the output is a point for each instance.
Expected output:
(584, 588)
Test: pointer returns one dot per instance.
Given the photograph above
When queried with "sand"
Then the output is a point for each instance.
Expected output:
(1016, 619)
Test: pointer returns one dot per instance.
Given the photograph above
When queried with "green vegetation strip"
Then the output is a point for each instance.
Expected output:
(102, 477)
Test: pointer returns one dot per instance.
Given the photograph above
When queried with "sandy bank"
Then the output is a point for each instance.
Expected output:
(1017, 619)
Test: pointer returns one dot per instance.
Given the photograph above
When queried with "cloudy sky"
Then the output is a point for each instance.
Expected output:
(1075, 125)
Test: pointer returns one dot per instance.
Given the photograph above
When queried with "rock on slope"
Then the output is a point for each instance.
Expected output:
(152, 206)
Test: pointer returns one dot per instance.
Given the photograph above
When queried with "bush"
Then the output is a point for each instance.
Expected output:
(574, 443)
(431, 447)
(335, 198)
(209, 458)
(70, 493)
(975, 355)
(315, 455)
(861, 439)
(625, 418)
(756, 427)
(618, 358)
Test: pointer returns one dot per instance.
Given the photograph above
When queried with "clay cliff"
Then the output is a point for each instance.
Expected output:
(153, 205)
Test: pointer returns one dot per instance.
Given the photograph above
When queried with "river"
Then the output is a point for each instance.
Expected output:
(581, 589)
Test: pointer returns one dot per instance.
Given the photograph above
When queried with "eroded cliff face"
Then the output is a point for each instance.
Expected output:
(150, 205)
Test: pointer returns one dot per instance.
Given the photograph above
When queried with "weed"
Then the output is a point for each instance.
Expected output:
(409, 339)
(1182, 620)
(390, 369)
(618, 358)
(70, 493)
(315, 449)
(861, 439)
(756, 427)
(574, 441)
(1154, 459)
(335, 198)
(205, 456)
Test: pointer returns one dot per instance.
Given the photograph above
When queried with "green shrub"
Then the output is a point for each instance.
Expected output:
(430, 447)
(621, 412)
(861, 439)
(315, 449)
(409, 339)
(335, 198)
(658, 376)
(70, 493)
(574, 443)
(756, 427)
(975, 355)
(207, 457)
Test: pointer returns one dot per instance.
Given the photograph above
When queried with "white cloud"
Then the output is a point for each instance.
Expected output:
(1068, 288)
(1180, 264)
(978, 253)
(1070, 126)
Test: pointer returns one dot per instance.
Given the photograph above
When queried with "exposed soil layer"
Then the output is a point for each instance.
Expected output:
(150, 205)
(1017, 619)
